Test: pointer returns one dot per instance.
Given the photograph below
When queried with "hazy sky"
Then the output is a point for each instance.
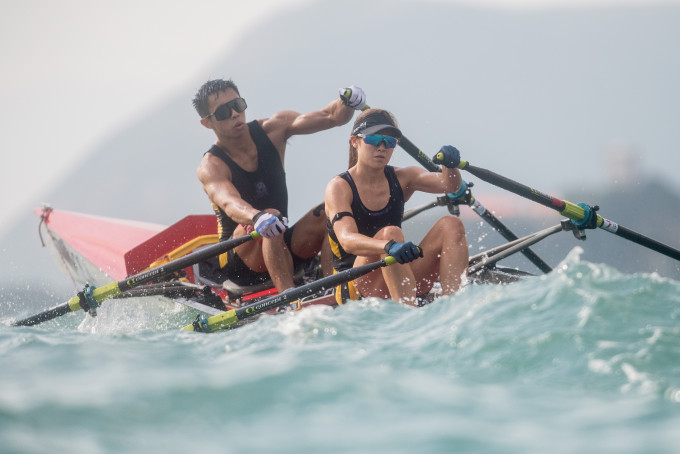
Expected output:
(76, 71)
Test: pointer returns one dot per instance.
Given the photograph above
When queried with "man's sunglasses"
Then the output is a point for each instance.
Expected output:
(224, 111)
(377, 139)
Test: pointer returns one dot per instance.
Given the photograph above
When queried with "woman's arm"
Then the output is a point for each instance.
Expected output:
(339, 199)
(415, 178)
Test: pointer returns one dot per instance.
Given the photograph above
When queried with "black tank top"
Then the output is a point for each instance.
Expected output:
(368, 222)
(263, 188)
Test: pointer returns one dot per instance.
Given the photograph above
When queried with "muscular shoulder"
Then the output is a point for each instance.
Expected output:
(338, 191)
(212, 168)
(278, 125)
(406, 175)
(337, 182)
(410, 178)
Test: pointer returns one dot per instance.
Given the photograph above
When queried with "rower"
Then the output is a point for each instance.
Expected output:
(244, 178)
(365, 207)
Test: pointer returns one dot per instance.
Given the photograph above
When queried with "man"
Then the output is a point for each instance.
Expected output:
(243, 176)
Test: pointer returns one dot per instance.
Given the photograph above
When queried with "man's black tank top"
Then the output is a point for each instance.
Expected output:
(368, 222)
(263, 188)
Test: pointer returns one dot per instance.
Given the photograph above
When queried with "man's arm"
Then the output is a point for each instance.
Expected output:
(215, 177)
(283, 125)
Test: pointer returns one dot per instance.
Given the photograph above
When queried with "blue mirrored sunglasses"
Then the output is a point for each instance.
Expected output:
(377, 139)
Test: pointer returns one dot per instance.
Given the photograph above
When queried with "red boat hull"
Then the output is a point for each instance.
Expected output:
(96, 250)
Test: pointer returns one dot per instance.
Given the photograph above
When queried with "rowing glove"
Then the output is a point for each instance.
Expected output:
(268, 225)
(448, 156)
(403, 252)
(353, 97)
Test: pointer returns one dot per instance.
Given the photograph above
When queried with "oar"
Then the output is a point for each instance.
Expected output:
(417, 210)
(477, 207)
(488, 258)
(233, 316)
(90, 298)
(572, 211)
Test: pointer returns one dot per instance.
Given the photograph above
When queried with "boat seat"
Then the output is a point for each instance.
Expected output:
(236, 291)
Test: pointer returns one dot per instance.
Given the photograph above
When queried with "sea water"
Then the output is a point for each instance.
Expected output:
(582, 360)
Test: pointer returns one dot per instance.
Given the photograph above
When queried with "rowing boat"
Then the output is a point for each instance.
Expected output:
(95, 250)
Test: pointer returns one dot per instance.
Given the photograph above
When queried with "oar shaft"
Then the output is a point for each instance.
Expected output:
(233, 316)
(115, 288)
(515, 187)
(417, 210)
(424, 160)
(506, 233)
(307, 289)
(183, 262)
(642, 240)
(494, 255)
(427, 162)
(568, 209)
(49, 314)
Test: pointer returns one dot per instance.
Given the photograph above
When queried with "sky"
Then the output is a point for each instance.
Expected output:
(74, 72)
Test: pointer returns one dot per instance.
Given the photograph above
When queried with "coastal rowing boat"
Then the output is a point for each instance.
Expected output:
(95, 250)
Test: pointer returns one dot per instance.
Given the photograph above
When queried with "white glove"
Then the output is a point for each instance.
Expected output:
(353, 97)
(268, 225)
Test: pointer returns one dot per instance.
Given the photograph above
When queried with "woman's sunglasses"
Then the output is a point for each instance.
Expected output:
(224, 111)
(377, 139)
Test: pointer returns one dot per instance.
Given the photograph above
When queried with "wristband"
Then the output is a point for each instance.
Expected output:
(258, 216)
(460, 192)
(388, 246)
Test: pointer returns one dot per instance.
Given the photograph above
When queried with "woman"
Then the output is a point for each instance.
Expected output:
(365, 206)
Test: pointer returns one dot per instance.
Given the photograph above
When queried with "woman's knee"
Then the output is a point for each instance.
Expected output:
(451, 225)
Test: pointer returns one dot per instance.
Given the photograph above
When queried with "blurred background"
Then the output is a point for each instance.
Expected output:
(576, 99)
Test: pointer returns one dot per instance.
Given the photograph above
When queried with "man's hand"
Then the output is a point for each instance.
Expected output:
(353, 97)
(448, 156)
(268, 225)
(403, 252)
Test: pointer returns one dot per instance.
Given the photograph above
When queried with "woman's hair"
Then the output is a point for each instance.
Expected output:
(353, 156)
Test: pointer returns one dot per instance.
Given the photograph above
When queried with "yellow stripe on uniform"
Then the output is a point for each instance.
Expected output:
(335, 247)
(346, 291)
